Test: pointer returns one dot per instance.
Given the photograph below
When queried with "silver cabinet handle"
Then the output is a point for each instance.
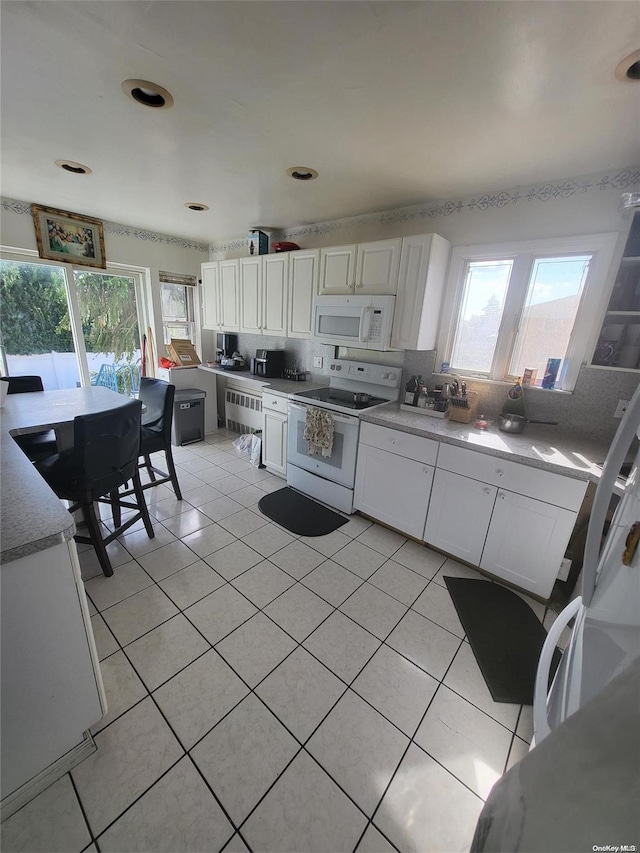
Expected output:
(358, 285)
(501, 495)
(487, 490)
(394, 441)
(499, 472)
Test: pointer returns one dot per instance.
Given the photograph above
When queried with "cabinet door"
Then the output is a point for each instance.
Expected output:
(377, 267)
(251, 295)
(423, 267)
(275, 273)
(337, 270)
(210, 296)
(303, 286)
(393, 489)
(274, 443)
(526, 542)
(229, 296)
(459, 515)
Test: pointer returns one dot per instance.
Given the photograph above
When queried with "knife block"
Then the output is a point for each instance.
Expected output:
(463, 409)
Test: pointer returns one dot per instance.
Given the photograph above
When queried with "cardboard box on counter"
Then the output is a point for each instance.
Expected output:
(183, 352)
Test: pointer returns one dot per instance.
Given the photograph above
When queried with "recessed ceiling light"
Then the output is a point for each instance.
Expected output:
(72, 166)
(629, 68)
(302, 173)
(196, 205)
(148, 94)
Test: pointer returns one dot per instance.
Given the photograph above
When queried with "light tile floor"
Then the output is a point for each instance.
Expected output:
(275, 693)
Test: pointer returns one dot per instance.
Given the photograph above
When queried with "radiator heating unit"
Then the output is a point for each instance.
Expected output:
(243, 412)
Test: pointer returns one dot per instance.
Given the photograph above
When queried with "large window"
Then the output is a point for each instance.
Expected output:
(69, 325)
(513, 307)
(178, 317)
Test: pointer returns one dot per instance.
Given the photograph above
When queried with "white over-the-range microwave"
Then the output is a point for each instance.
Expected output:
(356, 321)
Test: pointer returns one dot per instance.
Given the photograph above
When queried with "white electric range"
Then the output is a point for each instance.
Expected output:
(331, 479)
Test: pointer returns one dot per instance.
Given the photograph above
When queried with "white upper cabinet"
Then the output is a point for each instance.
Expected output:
(377, 267)
(251, 295)
(303, 286)
(421, 278)
(275, 281)
(338, 270)
(211, 295)
(229, 296)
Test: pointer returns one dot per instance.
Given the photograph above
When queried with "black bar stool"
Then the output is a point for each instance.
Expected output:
(37, 445)
(104, 456)
(158, 397)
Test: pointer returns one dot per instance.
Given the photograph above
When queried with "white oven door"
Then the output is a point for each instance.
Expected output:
(340, 467)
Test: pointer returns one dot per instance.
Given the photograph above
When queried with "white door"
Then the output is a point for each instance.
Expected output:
(303, 286)
(526, 542)
(393, 489)
(251, 295)
(459, 515)
(275, 273)
(377, 267)
(423, 267)
(229, 296)
(210, 296)
(274, 443)
(337, 270)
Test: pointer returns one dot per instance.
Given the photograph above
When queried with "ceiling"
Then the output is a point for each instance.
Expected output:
(394, 103)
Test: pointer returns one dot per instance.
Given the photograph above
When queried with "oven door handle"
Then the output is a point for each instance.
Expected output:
(365, 324)
(340, 419)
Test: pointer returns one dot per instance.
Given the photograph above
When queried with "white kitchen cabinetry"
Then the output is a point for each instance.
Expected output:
(251, 295)
(303, 286)
(229, 296)
(211, 295)
(338, 270)
(221, 296)
(364, 268)
(459, 515)
(377, 267)
(393, 485)
(509, 519)
(526, 542)
(275, 275)
(274, 433)
(421, 279)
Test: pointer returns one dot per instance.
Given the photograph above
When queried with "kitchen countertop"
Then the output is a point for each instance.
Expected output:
(276, 386)
(544, 447)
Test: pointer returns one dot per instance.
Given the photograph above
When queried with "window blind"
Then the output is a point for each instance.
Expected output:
(177, 278)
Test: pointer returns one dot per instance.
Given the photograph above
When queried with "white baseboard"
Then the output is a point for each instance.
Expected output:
(25, 793)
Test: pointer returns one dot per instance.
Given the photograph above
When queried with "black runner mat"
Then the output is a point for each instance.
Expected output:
(300, 514)
(505, 635)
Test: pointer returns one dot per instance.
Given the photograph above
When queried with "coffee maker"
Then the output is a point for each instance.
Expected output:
(226, 346)
(268, 362)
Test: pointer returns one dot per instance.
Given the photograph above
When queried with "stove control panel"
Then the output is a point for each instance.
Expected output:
(376, 374)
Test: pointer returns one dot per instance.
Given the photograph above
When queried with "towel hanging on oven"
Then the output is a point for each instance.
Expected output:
(318, 431)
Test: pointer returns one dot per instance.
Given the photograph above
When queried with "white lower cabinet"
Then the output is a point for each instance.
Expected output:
(526, 541)
(393, 489)
(459, 515)
(274, 433)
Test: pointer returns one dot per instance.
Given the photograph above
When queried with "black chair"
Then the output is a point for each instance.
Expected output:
(37, 445)
(104, 456)
(158, 398)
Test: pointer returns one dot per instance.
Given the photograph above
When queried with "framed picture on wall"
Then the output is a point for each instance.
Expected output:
(70, 238)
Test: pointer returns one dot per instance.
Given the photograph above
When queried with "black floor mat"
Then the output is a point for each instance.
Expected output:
(505, 635)
(300, 514)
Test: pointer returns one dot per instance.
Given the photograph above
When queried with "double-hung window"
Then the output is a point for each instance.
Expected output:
(178, 315)
(512, 307)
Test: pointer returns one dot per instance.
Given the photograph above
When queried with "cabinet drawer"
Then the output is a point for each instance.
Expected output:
(522, 479)
(274, 403)
(401, 443)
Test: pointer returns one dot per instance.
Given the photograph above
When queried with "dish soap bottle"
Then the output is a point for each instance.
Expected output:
(411, 391)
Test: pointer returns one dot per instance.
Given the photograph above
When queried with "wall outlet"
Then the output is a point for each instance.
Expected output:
(317, 361)
(621, 408)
